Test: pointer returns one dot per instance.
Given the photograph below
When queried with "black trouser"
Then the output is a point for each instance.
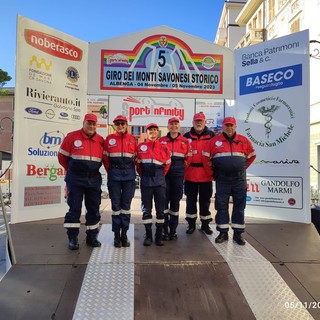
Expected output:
(192, 190)
(121, 194)
(89, 188)
(147, 195)
(174, 194)
(237, 188)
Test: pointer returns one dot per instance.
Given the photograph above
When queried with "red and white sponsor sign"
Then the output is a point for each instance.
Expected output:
(52, 45)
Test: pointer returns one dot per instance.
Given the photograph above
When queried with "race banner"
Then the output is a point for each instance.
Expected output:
(50, 101)
(272, 103)
(161, 62)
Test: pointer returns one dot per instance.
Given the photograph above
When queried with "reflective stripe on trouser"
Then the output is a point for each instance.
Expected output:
(78, 188)
(174, 193)
(121, 194)
(148, 194)
(238, 190)
(192, 190)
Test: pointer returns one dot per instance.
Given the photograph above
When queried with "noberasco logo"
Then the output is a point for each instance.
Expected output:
(52, 45)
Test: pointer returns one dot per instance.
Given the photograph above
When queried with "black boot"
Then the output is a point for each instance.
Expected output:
(92, 240)
(124, 239)
(191, 228)
(159, 241)
(117, 239)
(73, 243)
(206, 228)
(173, 234)
(223, 236)
(237, 237)
(165, 234)
(148, 237)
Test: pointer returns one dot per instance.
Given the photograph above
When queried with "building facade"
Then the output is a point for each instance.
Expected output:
(264, 20)
(6, 122)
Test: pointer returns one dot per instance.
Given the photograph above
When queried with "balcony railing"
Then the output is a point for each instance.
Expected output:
(252, 37)
(221, 37)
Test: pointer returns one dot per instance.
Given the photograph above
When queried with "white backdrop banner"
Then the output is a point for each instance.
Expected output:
(272, 108)
(50, 101)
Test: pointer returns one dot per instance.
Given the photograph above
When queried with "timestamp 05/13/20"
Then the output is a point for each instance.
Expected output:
(300, 304)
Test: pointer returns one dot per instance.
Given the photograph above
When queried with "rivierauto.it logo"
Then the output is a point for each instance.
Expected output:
(52, 45)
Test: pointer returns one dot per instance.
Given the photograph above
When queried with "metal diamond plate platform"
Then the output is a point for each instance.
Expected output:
(107, 291)
(267, 294)
(108, 287)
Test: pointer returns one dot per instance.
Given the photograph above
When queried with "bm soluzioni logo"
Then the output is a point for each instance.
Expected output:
(47, 142)
(51, 139)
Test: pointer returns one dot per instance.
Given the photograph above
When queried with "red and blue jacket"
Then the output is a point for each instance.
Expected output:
(80, 154)
(118, 156)
(152, 163)
(231, 156)
(199, 168)
(180, 151)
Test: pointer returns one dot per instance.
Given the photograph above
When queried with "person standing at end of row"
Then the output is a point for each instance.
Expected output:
(80, 154)
(118, 160)
(153, 162)
(198, 175)
(231, 154)
(179, 148)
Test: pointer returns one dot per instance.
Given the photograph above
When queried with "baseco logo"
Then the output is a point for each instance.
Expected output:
(275, 114)
(52, 45)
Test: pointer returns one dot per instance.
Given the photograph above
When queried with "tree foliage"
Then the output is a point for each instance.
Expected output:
(4, 78)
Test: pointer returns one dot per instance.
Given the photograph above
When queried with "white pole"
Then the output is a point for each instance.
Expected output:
(12, 253)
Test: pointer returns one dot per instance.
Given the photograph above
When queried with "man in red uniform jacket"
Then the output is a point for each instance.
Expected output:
(231, 154)
(153, 163)
(198, 176)
(80, 155)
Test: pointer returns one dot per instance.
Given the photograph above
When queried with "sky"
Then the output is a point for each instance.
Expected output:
(98, 20)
